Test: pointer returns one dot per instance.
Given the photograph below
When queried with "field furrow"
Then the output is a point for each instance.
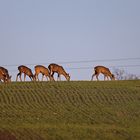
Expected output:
(70, 110)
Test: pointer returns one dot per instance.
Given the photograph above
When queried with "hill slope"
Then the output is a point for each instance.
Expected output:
(70, 110)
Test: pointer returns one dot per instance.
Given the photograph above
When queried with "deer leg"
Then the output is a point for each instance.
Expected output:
(50, 72)
(17, 76)
(107, 78)
(51, 78)
(92, 77)
(42, 76)
(24, 76)
(97, 77)
(52, 75)
(95, 74)
(104, 77)
(47, 77)
(37, 77)
(20, 76)
(31, 78)
(58, 77)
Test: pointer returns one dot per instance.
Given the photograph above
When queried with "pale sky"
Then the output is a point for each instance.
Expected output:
(54, 31)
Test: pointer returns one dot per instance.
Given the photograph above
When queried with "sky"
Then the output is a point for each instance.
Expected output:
(85, 32)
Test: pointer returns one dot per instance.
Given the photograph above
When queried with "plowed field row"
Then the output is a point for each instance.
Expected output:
(29, 109)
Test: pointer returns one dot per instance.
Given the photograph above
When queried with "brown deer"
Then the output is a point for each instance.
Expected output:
(105, 71)
(5, 74)
(44, 71)
(59, 70)
(27, 71)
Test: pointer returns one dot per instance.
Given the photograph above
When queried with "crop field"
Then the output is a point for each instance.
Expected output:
(76, 110)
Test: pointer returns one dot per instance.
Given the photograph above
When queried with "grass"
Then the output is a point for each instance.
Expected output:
(76, 110)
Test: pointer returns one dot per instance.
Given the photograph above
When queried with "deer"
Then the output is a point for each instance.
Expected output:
(105, 71)
(27, 71)
(5, 75)
(44, 71)
(55, 68)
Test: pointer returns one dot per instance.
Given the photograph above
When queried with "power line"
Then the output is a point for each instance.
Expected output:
(78, 68)
(82, 61)
(101, 60)
(125, 66)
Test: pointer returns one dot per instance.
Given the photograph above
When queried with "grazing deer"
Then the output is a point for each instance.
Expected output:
(27, 71)
(44, 71)
(59, 70)
(4, 72)
(105, 71)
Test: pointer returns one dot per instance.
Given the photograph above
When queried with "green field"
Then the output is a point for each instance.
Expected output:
(76, 110)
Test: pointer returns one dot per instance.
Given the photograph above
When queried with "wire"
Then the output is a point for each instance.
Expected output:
(83, 68)
(108, 66)
(75, 62)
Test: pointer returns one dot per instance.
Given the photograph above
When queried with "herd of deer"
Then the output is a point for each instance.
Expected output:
(49, 73)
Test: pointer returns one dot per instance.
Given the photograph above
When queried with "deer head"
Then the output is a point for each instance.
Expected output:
(112, 77)
(68, 77)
